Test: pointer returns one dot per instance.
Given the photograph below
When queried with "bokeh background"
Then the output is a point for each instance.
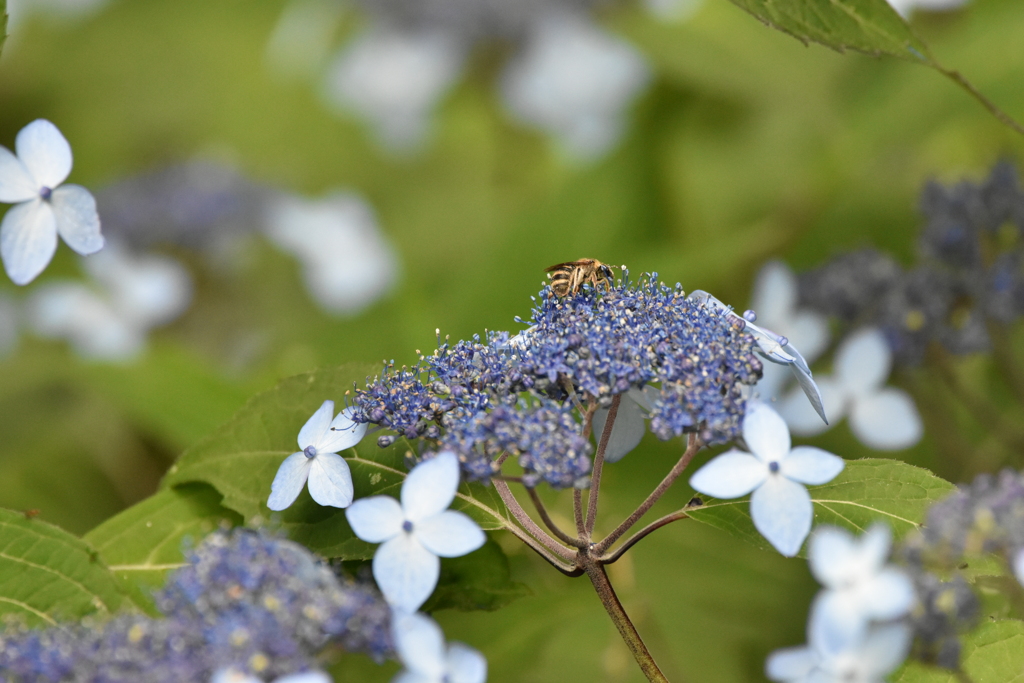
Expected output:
(739, 145)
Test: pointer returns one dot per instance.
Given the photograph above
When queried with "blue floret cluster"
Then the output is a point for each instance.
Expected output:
(525, 395)
(246, 600)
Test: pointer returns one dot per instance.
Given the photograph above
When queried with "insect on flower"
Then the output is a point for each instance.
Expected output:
(567, 278)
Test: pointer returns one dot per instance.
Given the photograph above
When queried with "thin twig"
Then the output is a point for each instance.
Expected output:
(693, 446)
(638, 536)
(595, 478)
(567, 569)
(550, 524)
(531, 527)
(577, 512)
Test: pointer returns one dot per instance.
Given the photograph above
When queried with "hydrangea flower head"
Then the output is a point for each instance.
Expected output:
(780, 506)
(421, 648)
(415, 532)
(330, 481)
(44, 207)
(859, 586)
(881, 417)
(866, 660)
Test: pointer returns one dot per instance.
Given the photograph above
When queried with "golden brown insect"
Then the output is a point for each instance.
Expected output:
(567, 278)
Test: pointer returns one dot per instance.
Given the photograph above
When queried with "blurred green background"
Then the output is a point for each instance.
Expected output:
(747, 146)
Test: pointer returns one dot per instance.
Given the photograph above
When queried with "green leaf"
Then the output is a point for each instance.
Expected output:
(478, 581)
(870, 26)
(994, 653)
(47, 575)
(142, 544)
(241, 458)
(866, 491)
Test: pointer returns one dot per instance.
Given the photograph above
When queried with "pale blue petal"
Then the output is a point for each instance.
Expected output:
(769, 345)
(810, 465)
(627, 431)
(886, 420)
(782, 512)
(307, 677)
(885, 647)
(874, 546)
(406, 572)
(330, 481)
(837, 622)
(1018, 566)
(430, 486)
(889, 595)
(412, 677)
(343, 433)
(449, 534)
(45, 153)
(833, 556)
(809, 331)
(288, 481)
(375, 519)
(419, 643)
(765, 432)
(775, 293)
(231, 675)
(730, 475)
(863, 361)
(77, 221)
(801, 416)
(466, 665)
(808, 386)
(313, 431)
(16, 183)
(28, 240)
(790, 664)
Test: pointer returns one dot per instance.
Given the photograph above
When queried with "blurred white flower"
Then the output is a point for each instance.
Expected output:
(415, 532)
(301, 40)
(347, 262)
(317, 460)
(9, 323)
(907, 7)
(43, 207)
(232, 675)
(780, 506)
(867, 660)
(575, 80)
(883, 418)
(394, 79)
(420, 645)
(630, 422)
(109, 318)
(859, 587)
(774, 301)
(673, 10)
(20, 10)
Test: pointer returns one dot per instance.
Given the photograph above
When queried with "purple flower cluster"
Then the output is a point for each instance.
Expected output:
(517, 395)
(971, 273)
(247, 600)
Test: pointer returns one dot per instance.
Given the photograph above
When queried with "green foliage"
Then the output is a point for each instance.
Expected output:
(866, 491)
(3, 23)
(993, 653)
(142, 544)
(47, 575)
(478, 581)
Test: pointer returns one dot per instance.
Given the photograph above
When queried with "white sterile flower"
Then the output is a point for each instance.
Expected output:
(780, 505)
(774, 302)
(907, 7)
(881, 417)
(575, 81)
(43, 207)
(673, 10)
(773, 347)
(109, 318)
(866, 660)
(1018, 565)
(630, 422)
(394, 79)
(301, 40)
(859, 587)
(330, 481)
(232, 675)
(416, 532)
(420, 645)
(68, 10)
(347, 262)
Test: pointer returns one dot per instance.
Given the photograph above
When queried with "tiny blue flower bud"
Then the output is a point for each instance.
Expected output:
(750, 316)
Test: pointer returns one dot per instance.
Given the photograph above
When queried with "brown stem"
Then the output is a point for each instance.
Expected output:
(513, 506)
(598, 577)
(550, 524)
(595, 478)
(567, 569)
(638, 536)
(691, 450)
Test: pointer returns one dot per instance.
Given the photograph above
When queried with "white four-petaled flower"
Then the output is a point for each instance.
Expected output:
(43, 207)
(865, 660)
(421, 648)
(232, 675)
(780, 505)
(330, 481)
(859, 586)
(416, 532)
